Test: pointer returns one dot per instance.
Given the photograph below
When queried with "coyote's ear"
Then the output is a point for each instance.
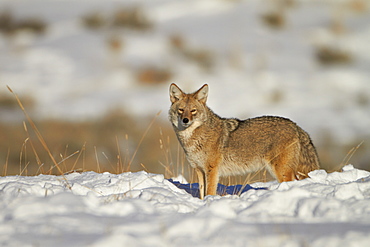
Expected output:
(202, 94)
(175, 93)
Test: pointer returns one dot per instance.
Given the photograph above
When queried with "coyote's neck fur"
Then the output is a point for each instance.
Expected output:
(209, 129)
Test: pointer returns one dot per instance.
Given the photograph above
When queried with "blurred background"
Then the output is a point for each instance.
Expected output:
(94, 77)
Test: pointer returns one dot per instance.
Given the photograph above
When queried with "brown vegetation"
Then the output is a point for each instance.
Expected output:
(107, 144)
(131, 17)
(202, 56)
(9, 24)
(153, 75)
(331, 55)
(274, 19)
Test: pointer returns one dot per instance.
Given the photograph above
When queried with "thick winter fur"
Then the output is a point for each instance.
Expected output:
(217, 146)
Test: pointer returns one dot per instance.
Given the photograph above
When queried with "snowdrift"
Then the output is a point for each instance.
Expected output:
(142, 209)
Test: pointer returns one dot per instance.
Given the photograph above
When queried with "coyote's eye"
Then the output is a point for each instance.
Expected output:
(194, 111)
(180, 111)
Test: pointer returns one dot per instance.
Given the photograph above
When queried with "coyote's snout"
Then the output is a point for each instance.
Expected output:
(217, 146)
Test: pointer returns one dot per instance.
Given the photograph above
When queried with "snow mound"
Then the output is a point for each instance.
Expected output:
(142, 209)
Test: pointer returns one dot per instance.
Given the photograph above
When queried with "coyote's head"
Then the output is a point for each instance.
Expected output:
(187, 109)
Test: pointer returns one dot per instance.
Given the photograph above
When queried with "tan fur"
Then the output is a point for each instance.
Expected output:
(217, 146)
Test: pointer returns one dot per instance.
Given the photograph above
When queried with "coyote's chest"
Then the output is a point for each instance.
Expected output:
(191, 142)
(194, 144)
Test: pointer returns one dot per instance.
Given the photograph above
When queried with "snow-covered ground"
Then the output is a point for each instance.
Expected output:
(141, 209)
(72, 73)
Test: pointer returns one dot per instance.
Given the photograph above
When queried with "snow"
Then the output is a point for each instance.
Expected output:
(142, 209)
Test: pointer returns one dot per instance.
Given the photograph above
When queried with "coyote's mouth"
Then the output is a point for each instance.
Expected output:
(183, 123)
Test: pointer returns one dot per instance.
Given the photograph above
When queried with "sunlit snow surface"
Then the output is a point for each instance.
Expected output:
(141, 209)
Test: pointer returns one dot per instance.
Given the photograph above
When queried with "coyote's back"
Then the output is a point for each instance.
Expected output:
(271, 142)
(217, 146)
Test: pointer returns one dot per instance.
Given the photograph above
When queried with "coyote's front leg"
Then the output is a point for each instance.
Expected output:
(211, 179)
(201, 182)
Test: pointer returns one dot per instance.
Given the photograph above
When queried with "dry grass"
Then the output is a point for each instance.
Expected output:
(9, 24)
(129, 17)
(203, 57)
(7, 102)
(358, 6)
(57, 146)
(94, 20)
(327, 55)
(132, 17)
(112, 144)
(39, 137)
(275, 13)
(152, 75)
(274, 19)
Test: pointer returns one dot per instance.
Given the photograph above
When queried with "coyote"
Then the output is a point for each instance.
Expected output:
(217, 146)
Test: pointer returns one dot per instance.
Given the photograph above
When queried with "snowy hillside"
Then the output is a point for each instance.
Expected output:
(141, 209)
(76, 73)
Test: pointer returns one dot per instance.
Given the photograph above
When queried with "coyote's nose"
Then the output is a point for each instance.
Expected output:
(185, 120)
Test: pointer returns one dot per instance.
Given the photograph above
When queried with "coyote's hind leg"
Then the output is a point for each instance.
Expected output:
(285, 164)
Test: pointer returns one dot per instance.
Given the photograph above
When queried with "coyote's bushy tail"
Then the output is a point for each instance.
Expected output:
(308, 158)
